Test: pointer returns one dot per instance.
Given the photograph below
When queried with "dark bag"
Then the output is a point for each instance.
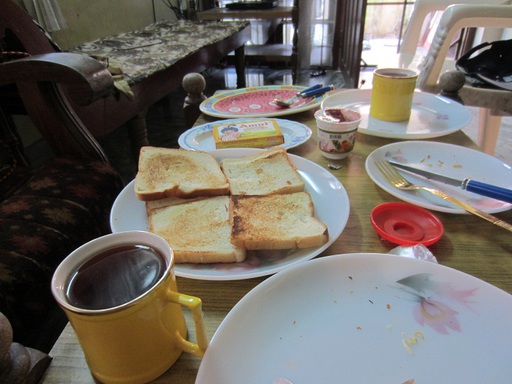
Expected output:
(488, 64)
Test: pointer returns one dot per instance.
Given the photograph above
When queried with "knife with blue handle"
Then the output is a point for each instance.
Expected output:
(312, 88)
(316, 92)
(467, 184)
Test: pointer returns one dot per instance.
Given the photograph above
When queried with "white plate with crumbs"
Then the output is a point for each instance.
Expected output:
(331, 206)
(200, 138)
(364, 318)
(431, 115)
(447, 159)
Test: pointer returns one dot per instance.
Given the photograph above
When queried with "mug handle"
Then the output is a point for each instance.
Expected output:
(194, 304)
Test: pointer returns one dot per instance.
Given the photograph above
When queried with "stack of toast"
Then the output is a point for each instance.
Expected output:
(211, 212)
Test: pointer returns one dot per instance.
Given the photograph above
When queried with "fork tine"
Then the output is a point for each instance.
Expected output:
(391, 174)
(381, 169)
(392, 171)
(381, 165)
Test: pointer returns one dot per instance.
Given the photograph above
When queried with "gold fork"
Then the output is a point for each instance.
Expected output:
(400, 182)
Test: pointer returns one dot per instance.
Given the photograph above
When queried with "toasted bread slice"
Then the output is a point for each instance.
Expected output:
(161, 203)
(265, 173)
(197, 231)
(167, 172)
(276, 222)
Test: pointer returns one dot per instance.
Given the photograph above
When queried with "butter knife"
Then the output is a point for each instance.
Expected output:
(467, 184)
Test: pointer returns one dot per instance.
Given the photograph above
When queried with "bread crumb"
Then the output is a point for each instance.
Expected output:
(409, 342)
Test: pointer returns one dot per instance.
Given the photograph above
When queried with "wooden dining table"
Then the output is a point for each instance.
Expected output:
(469, 244)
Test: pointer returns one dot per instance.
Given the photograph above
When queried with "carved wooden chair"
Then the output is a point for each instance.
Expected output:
(47, 211)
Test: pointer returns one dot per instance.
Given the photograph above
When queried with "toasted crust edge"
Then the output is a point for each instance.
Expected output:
(180, 257)
(176, 192)
(299, 243)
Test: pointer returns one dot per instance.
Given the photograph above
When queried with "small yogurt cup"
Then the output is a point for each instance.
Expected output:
(337, 128)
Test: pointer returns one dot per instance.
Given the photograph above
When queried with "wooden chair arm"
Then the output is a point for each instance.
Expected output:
(87, 78)
(44, 84)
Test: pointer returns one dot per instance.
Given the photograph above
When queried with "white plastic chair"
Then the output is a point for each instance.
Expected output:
(421, 9)
(493, 103)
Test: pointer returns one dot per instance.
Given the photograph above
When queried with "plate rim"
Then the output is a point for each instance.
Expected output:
(334, 234)
(400, 195)
(283, 112)
(188, 132)
(405, 136)
(364, 259)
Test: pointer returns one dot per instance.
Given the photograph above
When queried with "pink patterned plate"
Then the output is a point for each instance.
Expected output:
(257, 102)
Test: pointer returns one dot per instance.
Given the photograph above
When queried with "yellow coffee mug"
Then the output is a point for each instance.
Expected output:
(392, 93)
(139, 340)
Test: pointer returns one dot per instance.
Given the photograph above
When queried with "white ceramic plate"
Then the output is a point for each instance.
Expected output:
(257, 102)
(353, 319)
(450, 160)
(331, 206)
(201, 137)
(431, 115)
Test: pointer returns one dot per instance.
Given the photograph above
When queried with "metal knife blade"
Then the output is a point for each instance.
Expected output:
(467, 184)
(427, 174)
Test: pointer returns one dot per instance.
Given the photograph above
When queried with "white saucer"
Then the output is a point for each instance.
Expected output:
(431, 116)
(200, 138)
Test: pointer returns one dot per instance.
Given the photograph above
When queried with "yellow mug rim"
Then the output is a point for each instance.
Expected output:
(404, 73)
(79, 256)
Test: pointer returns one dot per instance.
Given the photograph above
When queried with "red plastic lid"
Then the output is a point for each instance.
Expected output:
(406, 224)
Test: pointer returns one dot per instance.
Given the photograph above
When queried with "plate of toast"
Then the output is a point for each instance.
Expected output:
(236, 213)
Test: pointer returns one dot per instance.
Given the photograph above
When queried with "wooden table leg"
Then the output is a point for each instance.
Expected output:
(138, 133)
(240, 66)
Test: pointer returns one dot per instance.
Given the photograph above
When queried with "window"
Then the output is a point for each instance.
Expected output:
(385, 24)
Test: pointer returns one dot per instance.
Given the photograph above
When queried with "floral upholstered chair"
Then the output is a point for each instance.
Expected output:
(48, 211)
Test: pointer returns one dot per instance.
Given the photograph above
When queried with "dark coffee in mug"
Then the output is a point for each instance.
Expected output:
(115, 277)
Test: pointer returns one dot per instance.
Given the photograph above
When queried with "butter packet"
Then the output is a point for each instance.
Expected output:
(249, 134)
